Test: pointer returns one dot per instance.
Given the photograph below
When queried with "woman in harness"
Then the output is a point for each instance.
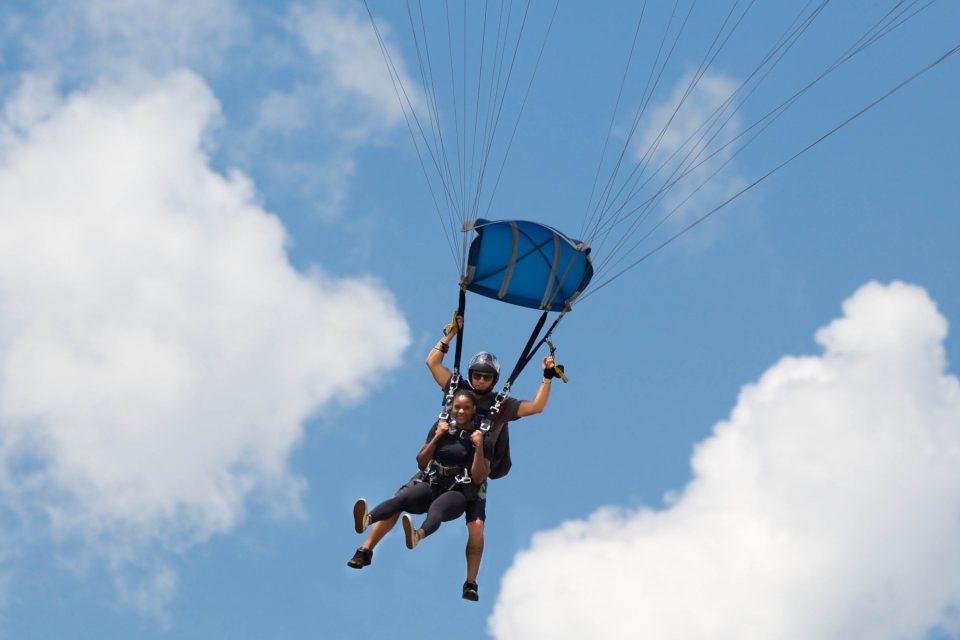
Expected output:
(454, 463)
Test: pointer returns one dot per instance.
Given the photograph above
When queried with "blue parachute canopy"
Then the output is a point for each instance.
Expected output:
(527, 264)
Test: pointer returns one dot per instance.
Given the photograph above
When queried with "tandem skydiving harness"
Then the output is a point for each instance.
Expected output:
(525, 357)
(437, 473)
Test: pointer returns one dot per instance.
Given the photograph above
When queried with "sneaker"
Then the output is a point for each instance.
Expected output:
(410, 532)
(470, 591)
(361, 519)
(362, 558)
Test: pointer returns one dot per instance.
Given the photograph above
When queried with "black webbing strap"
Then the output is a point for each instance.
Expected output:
(458, 349)
(487, 423)
(543, 340)
(525, 357)
(527, 352)
(457, 353)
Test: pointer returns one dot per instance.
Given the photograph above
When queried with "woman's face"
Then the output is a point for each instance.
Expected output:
(463, 411)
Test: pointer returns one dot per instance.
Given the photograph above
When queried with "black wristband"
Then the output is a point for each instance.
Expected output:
(550, 373)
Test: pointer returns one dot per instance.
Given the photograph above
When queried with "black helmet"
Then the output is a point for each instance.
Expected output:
(485, 362)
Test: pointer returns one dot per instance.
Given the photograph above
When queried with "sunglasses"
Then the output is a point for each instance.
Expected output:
(483, 377)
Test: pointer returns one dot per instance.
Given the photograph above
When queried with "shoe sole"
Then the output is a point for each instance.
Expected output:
(473, 596)
(357, 564)
(360, 515)
(408, 531)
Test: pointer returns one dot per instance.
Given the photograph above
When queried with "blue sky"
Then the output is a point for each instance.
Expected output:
(221, 269)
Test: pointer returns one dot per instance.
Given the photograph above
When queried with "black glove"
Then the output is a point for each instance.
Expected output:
(551, 373)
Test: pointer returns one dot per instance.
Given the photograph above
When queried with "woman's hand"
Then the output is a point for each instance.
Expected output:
(442, 427)
(477, 438)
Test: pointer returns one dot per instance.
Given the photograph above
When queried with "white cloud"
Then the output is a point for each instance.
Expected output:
(345, 89)
(341, 97)
(679, 135)
(72, 38)
(307, 83)
(158, 354)
(825, 507)
(344, 42)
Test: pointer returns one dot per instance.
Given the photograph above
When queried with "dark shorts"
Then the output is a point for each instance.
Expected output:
(476, 508)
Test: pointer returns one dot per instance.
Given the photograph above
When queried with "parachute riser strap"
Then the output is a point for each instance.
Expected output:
(544, 340)
(528, 351)
(455, 377)
(525, 357)
(461, 309)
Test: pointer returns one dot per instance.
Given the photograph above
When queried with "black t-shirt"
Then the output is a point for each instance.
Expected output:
(499, 434)
(454, 451)
(508, 409)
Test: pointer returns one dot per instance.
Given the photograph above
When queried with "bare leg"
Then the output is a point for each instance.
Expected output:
(474, 549)
(380, 529)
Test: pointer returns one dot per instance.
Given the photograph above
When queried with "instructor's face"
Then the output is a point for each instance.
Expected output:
(481, 381)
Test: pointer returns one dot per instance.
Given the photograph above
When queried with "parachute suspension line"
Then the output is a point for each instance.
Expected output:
(613, 117)
(523, 103)
(437, 151)
(766, 121)
(603, 227)
(606, 204)
(640, 168)
(456, 119)
(496, 98)
(463, 88)
(456, 206)
(487, 92)
(610, 262)
(476, 109)
(409, 113)
(949, 53)
(645, 98)
(429, 89)
(691, 160)
(895, 22)
(637, 173)
(461, 186)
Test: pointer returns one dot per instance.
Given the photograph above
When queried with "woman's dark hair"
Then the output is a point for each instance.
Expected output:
(466, 393)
